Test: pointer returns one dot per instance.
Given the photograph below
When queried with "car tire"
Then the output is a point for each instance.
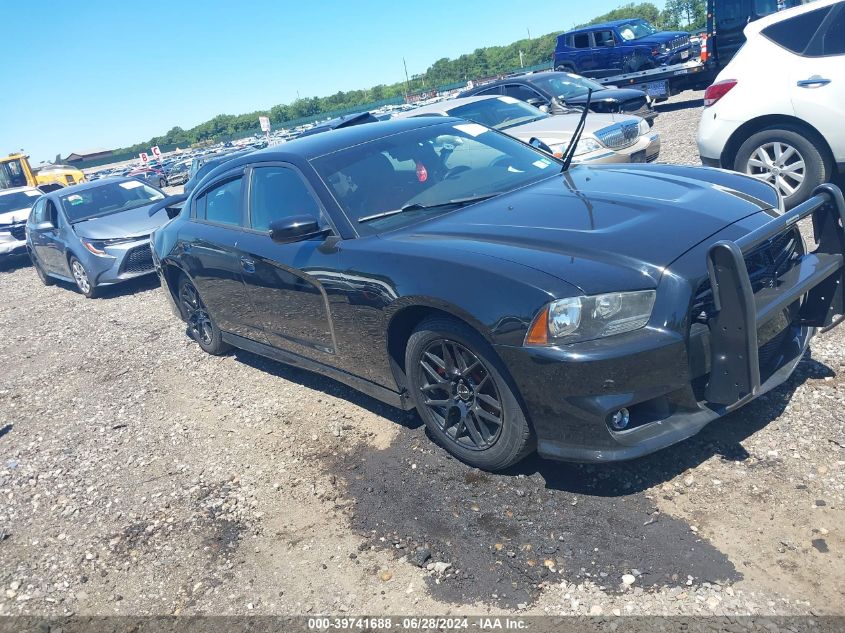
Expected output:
(46, 279)
(80, 276)
(201, 326)
(565, 68)
(478, 418)
(758, 157)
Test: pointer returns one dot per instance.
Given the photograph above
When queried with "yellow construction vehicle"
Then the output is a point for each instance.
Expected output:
(15, 171)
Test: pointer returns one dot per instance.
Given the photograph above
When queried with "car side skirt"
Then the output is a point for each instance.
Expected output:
(379, 392)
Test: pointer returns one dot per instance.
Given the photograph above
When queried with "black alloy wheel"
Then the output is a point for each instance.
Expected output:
(201, 327)
(460, 394)
(463, 393)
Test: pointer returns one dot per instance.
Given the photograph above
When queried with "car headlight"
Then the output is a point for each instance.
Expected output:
(585, 146)
(577, 319)
(643, 127)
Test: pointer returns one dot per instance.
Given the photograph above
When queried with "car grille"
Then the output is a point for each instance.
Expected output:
(138, 260)
(18, 231)
(678, 42)
(619, 135)
(765, 264)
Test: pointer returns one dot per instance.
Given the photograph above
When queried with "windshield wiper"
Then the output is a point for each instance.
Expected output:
(579, 129)
(416, 206)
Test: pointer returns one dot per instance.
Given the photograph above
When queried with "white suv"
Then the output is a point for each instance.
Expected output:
(777, 110)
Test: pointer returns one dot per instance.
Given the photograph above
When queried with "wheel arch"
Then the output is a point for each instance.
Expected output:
(405, 318)
(751, 127)
(171, 271)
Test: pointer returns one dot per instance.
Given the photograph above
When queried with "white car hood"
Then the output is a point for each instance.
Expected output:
(13, 217)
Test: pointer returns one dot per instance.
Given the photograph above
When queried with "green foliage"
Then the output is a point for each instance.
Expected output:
(483, 62)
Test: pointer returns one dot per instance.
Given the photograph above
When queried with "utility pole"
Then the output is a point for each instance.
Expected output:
(407, 81)
(529, 32)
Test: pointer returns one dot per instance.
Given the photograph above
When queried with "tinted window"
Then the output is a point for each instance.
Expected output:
(604, 38)
(223, 202)
(51, 213)
(833, 41)
(500, 113)
(523, 93)
(490, 91)
(38, 214)
(581, 40)
(795, 33)
(277, 193)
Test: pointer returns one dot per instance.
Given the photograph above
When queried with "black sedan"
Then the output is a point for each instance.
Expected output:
(558, 92)
(598, 313)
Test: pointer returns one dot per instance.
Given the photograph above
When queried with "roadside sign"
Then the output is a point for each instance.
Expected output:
(144, 157)
(156, 152)
(265, 123)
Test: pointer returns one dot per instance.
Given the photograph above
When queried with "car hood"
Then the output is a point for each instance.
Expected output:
(14, 217)
(619, 95)
(131, 223)
(659, 38)
(559, 128)
(601, 228)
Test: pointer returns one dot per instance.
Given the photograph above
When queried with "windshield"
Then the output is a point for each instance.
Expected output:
(635, 29)
(114, 197)
(17, 201)
(500, 113)
(12, 174)
(566, 86)
(426, 172)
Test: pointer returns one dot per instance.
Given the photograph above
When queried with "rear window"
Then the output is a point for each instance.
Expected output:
(795, 34)
(581, 40)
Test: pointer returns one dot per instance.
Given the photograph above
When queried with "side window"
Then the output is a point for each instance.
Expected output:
(833, 41)
(581, 40)
(795, 33)
(222, 203)
(524, 93)
(38, 211)
(496, 90)
(604, 38)
(51, 214)
(277, 193)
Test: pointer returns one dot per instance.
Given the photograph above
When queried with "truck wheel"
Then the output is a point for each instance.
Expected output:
(566, 68)
(460, 389)
(787, 157)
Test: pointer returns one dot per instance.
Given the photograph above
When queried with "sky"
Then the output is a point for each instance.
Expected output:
(106, 73)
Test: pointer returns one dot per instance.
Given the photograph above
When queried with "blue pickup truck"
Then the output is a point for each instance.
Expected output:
(622, 46)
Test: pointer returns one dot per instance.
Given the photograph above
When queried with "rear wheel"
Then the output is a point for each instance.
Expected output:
(80, 276)
(201, 326)
(460, 391)
(788, 158)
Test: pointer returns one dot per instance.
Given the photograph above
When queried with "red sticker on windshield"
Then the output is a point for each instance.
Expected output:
(422, 172)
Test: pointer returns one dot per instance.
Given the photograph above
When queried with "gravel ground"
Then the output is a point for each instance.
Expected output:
(141, 476)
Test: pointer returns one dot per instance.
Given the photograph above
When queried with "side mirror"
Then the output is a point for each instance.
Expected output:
(46, 225)
(295, 229)
(173, 204)
(538, 144)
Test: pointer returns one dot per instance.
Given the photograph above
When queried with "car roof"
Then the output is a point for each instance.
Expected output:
(752, 28)
(4, 192)
(442, 107)
(89, 185)
(593, 27)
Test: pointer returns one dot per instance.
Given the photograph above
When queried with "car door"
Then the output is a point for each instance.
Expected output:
(584, 63)
(606, 54)
(817, 76)
(209, 253)
(45, 238)
(286, 281)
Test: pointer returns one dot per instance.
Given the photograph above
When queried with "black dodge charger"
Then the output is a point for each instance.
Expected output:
(596, 313)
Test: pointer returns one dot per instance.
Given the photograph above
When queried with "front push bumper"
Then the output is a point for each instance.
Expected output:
(672, 382)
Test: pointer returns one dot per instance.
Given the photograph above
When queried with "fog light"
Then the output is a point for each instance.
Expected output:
(619, 420)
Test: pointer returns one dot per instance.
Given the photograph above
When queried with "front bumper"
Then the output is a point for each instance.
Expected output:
(12, 247)
(673, 382)
(121, 262)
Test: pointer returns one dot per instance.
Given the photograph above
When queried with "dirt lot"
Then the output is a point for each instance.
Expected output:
(141, 476)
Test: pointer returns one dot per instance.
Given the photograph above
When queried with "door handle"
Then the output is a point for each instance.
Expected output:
(813, 82)
(248, 265)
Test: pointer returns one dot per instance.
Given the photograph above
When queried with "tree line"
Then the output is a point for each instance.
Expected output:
(482, 62)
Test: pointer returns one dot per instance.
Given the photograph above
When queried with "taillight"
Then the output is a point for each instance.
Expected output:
(717, 91)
